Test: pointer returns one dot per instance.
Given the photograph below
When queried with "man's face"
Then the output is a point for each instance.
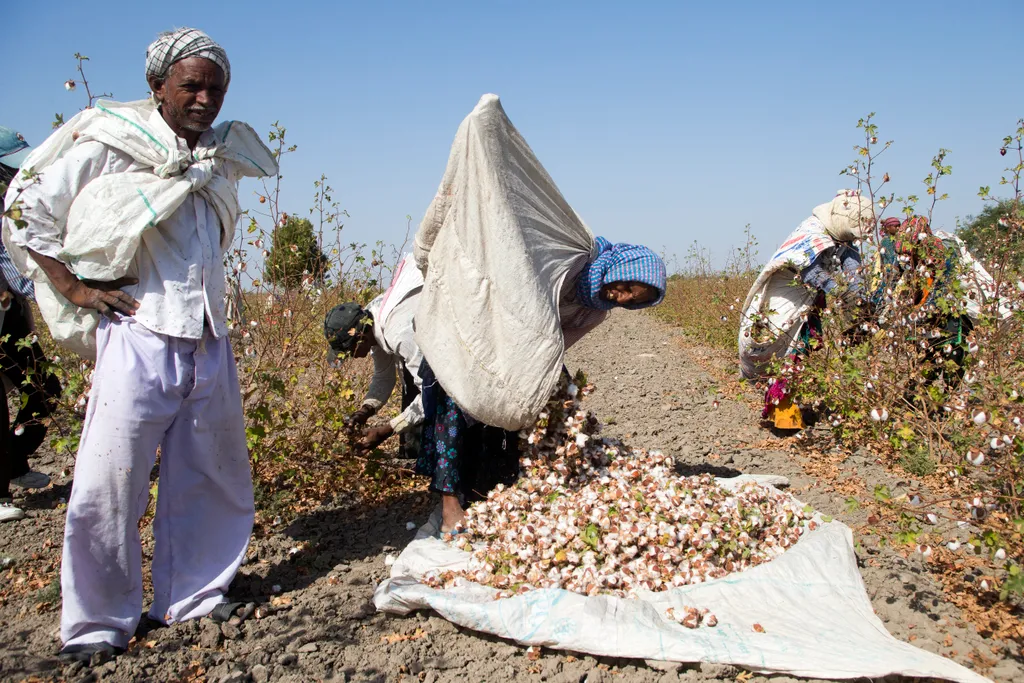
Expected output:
(364, 345)
(192, 94)
(625, 293)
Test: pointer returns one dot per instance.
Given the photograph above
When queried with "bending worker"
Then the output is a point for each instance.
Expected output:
(384, 330)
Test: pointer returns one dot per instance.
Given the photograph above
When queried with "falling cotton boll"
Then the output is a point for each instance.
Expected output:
(976, 458)
(19, 430)
(276, 588)
(1000, 555)
(714, 404)
(389, 559)
(953, 545)
(932, 518)
(972, 347)
(984, 585)
(925, 550)
(980, 417)
(879, 414)
(409, 526)
(995, 443)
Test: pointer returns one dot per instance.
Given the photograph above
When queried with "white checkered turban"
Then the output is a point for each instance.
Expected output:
(183, 43)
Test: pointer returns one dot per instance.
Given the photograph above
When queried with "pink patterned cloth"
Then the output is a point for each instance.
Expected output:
(776, 392)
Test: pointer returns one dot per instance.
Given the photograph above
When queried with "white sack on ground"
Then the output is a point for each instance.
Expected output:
(495, 246)
(811, 602)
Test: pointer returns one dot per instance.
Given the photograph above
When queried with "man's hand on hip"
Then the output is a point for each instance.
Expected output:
(104, 297)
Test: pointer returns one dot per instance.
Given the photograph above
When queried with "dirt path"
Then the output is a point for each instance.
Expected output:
(318, 572)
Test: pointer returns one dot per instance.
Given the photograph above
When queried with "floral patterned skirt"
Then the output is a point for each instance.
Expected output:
(462, 456)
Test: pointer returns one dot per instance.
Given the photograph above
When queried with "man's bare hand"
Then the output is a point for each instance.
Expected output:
(105, 297)
(373, 436)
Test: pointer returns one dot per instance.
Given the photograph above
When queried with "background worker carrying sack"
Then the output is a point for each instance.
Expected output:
(495, 247)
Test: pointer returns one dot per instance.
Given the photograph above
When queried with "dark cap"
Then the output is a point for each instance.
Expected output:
(343, 325)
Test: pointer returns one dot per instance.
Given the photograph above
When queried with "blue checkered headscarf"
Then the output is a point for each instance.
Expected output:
(620, 263)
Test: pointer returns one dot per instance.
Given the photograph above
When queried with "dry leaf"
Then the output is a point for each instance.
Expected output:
(393, 638)
(759, 628)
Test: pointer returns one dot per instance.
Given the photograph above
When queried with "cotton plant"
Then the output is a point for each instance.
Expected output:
(936, 406)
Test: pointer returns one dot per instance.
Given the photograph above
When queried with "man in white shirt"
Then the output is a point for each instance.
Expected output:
(165, 377)
(385, 330)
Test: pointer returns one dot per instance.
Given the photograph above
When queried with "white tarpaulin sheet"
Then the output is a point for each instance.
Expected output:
(811, 602)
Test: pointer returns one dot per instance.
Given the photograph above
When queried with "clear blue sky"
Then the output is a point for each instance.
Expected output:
(661, 122)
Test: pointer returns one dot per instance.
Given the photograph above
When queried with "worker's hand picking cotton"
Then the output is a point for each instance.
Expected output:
(592, 515)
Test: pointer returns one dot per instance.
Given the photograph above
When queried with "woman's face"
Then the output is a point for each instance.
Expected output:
(626, 293)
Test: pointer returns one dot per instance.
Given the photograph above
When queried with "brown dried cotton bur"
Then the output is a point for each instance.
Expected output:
(594, 516)
(691, 617)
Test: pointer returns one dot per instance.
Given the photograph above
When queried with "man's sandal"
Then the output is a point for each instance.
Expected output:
(90, 654)
(233, 613)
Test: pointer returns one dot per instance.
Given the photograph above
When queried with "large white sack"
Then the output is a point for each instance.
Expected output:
(979, 286)
(810, 601)
(779, 299)
(495, 247)
(110, 216)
